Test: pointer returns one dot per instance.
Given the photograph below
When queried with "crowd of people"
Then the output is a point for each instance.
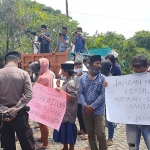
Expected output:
(85, 100)
(41, 44)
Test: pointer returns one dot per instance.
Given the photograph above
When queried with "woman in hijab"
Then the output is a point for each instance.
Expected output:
(106, 67)
(105, 70)
(41, 75)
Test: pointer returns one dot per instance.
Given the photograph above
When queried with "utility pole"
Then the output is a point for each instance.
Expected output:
(67, 8)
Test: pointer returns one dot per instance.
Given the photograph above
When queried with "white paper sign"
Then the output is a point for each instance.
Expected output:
(54, 82)
(128, 99)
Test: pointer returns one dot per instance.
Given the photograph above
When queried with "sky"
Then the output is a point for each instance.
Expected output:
(121, 16)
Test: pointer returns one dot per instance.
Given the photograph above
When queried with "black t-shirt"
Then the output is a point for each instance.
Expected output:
(45, 44)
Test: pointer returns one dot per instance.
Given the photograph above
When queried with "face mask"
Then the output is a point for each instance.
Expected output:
(79, 70)
(95, 71)
(63, 77)
(87, 65)
(140, 73)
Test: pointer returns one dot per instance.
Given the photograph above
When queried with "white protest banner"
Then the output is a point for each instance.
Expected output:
(128, 99)
(47, 106)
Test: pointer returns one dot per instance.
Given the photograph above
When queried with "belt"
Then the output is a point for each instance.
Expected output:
(26, 108)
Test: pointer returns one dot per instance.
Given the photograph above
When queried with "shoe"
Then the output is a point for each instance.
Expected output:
(109, 143)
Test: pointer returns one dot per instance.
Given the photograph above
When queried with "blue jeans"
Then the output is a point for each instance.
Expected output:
(134, 132)
(110, 129)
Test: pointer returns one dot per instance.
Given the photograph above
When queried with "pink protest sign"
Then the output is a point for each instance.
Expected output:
(47, 106)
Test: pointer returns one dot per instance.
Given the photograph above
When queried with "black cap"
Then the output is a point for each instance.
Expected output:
(64, 28)
(44, 26)
(13, 53)
(95, 58)
(66, 66)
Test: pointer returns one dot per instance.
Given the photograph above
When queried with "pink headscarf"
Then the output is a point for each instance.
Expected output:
(45, 78)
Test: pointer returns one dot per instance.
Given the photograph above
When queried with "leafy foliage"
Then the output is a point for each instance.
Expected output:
(127, 48)
(19, 17)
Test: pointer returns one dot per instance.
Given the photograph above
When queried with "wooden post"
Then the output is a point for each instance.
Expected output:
(67, 8)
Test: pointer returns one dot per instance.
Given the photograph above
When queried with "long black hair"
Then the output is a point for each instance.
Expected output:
(106, 66)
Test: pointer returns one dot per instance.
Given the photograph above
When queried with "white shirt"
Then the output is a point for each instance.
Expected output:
(73, 47)
(35, 46)
(52, 73)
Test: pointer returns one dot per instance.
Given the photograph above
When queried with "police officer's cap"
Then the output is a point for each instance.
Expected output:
(15, 54)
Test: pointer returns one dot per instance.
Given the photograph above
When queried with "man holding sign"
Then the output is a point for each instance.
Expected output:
(132, 101)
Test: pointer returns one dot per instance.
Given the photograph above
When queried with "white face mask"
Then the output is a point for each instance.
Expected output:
(87, 65)
(63, 77)
(79, 70)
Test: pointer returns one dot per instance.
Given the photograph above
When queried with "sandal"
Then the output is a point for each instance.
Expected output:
(109, 143)
(84, 137)
(36, 126)
(38, 140)
(44, 147)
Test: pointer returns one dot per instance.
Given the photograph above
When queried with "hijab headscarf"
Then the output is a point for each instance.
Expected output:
(41, 69)
(106, 66)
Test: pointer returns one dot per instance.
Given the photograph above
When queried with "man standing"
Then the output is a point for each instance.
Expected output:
(63, 41)
(34, 41)
(15, 93)
(44, 40)
(92, 96)
(116, 69)
(79, 41)
(78, 66)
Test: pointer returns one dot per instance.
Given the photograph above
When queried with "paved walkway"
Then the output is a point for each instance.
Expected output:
(119, 141)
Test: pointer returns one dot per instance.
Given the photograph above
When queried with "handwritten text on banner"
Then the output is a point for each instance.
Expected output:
(128, 99)
(47, 106)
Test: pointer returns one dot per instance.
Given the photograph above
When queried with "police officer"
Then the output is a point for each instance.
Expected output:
(15, 93)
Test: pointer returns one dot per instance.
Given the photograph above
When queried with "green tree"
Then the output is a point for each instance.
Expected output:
(19, 17)
(142, 39)
(126, 48)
